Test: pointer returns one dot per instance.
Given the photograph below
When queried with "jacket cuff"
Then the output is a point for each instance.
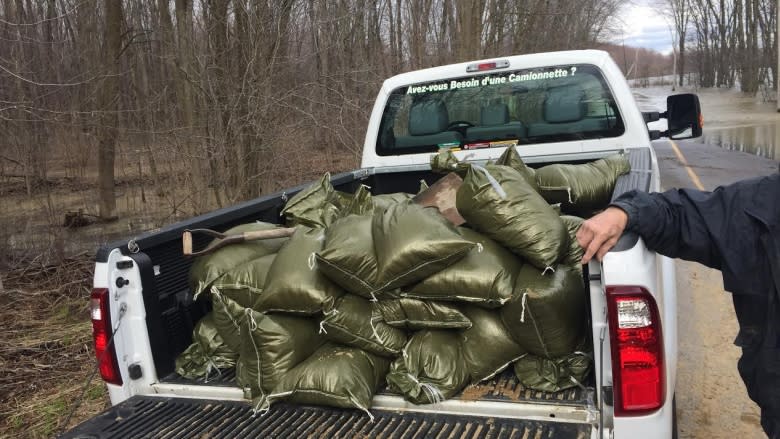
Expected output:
(630, 210)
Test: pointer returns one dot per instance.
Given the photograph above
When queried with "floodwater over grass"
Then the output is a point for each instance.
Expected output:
(762, 140)
(732, 120)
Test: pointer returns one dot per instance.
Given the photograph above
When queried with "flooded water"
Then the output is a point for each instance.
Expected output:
(761, 140)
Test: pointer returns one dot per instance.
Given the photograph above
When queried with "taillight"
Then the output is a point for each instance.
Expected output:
(101, 333)
(637, 351)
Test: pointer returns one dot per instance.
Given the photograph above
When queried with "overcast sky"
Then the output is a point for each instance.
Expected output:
(643, 26)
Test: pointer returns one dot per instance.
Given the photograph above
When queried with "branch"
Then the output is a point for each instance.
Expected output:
(42, 84)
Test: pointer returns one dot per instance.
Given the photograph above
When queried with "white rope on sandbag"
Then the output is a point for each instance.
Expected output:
(433, 392)
(436, 395)
(577, 383)
(524, 303)
(312, 261)
(253, 327)
(547, 268)
(252, 321)
(361, 407)
(373, 328)
(480, 247)
(493, 182)
(211, 366)
(322, 328)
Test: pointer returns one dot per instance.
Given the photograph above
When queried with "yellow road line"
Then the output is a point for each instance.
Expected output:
(681, 157)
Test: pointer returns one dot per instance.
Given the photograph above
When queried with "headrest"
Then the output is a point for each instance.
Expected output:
(428, 117)
(494, 114)
(564, 104)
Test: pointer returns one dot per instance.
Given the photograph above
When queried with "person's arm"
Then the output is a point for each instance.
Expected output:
(679, 223)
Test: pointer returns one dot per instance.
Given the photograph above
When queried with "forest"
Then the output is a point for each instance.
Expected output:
(205, 103)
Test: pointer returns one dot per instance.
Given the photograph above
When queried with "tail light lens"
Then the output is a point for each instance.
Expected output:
(101, 333)
(637, 351)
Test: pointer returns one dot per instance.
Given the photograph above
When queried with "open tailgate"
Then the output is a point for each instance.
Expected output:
(165, 417)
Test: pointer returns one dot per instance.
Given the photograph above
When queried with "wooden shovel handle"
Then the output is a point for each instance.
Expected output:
(223, 240)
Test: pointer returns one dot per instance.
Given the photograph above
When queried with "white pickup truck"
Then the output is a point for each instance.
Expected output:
(570, 107)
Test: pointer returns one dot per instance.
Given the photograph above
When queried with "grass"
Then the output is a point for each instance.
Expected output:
(46, 353)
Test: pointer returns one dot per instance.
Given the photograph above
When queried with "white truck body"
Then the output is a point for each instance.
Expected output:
(632, 266)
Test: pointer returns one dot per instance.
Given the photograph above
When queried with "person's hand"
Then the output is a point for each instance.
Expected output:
(600, 233)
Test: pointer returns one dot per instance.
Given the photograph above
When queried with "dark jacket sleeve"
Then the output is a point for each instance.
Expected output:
(679, 223)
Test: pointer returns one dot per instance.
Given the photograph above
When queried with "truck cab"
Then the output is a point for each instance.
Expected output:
(561, 107)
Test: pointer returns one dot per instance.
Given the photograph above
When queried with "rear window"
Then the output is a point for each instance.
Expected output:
(516, 107)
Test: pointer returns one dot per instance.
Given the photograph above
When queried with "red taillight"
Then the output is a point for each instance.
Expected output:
(101, 333)
(637, 351)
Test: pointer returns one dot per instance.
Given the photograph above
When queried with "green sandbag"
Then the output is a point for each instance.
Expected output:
(498, 202)
(294, 283)
(414, 314)
(548, 312)
(414, 242)
(485, 276)
(271, 345)
(348, 257)
(511, 158)
(207, 354)
(228, 318)
(553, 375)
(208, 268)
(573, 254)
(355, 321)
(335, 376)
(383, 201)
(313, 206)
(245, 283)
(362, 203)
(487, 346)
(340, 200)
(582, 188)
(445, 162)
(431, 368)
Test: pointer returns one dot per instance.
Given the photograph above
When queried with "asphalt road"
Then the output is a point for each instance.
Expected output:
(711, 398)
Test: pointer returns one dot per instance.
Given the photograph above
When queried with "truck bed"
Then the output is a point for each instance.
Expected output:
(500, 407)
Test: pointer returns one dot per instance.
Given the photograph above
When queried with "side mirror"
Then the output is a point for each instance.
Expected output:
(683, 114)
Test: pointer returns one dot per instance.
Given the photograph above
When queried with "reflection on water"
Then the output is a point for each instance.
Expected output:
(761, 140)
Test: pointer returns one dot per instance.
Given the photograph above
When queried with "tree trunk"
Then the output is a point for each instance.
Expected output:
(109, 97)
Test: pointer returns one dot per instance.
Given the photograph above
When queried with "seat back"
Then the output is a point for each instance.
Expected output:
(428, 121)
(495, 125)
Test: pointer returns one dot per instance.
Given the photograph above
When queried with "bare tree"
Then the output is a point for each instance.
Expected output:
(109, 105)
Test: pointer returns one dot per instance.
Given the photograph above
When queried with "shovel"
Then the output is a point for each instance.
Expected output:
(440, 195)
(222, 240)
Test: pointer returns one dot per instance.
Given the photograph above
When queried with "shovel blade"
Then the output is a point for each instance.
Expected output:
(442, 195)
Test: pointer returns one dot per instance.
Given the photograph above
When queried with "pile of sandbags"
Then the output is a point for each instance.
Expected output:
(373, 291)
